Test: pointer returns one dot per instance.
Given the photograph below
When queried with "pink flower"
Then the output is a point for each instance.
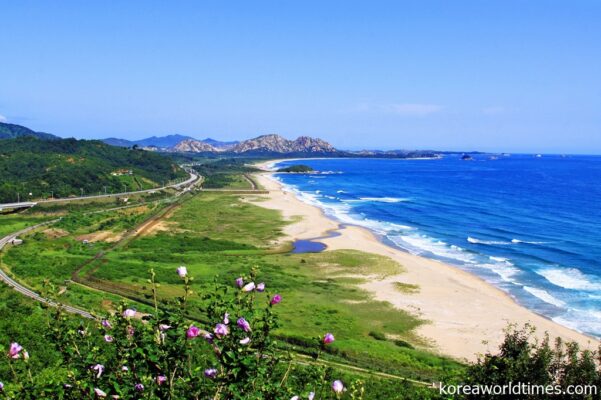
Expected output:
(294, 398)
(226, 318)
(208, 337)
(130, 331)
(182, 271)
(124, 368)
(245, 341)
(276, 299)
(337, 387)
(210, 373)
(261, 287)
(243, 324)
(311, 395)
(239, 282)
(328, 338)
(99, 368)
(108, 338)
(139, 387)
(99, 393)
(192, 332)
(129, 313)
(15, 350)
(249, 287)
(221, 330)
(161, 379)
(164, 327)
(1, 386)
(106, 324)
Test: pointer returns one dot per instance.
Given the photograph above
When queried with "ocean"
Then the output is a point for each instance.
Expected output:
(529, 225)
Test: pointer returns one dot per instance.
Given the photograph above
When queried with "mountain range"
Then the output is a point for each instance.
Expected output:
(264, 145)
(261, 144)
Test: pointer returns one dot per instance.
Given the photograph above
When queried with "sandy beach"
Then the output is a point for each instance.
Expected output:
(466, 315)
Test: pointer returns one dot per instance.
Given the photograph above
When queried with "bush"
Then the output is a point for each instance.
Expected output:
(377, 335)
(162, 355)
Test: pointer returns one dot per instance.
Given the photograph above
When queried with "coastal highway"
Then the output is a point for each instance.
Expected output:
(193, 177)
(189, 182)
(25, 291)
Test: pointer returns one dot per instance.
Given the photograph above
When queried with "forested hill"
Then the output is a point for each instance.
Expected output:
(65, 167)
(11, 131)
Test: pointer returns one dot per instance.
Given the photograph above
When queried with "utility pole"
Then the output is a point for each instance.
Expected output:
(81, 192)
(105, 190)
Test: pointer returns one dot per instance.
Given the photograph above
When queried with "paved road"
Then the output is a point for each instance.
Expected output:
(189, 181)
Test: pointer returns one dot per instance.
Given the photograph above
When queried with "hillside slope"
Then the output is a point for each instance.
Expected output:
(65, 167)
(11, 131)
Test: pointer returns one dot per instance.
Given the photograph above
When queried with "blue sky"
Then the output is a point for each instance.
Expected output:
(456, 75)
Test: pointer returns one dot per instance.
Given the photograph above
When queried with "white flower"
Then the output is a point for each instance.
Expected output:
(245, 341)
(99, 393)
(99, 368)
(129, 313)
(337, 386)
(182, 271)
(249, 287)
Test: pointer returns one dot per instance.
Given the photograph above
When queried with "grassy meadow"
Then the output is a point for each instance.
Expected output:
(224, 235)
(220, 236)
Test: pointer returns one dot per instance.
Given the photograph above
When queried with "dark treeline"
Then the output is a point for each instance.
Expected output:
(65, 167)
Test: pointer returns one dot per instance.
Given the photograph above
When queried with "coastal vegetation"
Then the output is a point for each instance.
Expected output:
(300, 168)
(230, 173)
(31, 168)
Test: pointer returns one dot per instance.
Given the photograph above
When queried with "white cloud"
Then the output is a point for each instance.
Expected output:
(404, 109)
(3, 118)
(413, 109)
(493, 110)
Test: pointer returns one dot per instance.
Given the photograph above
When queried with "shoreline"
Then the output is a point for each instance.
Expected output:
(465, 315)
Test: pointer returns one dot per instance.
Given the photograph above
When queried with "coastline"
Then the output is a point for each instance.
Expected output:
(465, 315)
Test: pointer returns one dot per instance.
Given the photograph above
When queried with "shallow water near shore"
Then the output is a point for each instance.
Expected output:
(530, 226)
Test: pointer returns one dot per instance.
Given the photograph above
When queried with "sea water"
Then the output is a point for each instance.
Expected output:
(528, 225)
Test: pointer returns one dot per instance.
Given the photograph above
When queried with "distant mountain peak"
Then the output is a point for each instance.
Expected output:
(193, 146)
(275, 143)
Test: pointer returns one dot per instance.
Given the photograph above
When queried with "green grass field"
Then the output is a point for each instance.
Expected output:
(221, 235)
(225, 235)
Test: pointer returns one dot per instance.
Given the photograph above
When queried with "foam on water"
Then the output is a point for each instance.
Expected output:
(384, 199)
(491, 242)
(570, 278)
(545, 296)
(516, 241)
(422, 244)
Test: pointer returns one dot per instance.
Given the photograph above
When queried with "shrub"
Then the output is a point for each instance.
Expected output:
(163, 355)
(377, 335)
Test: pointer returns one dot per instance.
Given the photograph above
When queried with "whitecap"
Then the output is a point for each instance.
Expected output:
(545, 296)
(570, 278)
(418, 244)
(516, 241)
(384, 199)
(491, 242)
(505, 270)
